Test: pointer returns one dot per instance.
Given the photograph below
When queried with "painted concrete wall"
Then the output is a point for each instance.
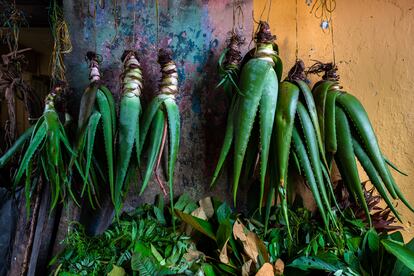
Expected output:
(197, 33)
(373, 45)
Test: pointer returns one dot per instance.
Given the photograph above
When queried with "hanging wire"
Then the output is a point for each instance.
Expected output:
(322, 9)
(332, 39)
(296, 30)
(134, 23)
(158, 20)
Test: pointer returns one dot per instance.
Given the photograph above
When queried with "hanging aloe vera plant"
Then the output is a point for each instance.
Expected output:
(97, 105)
(229, 64)
(129, 117)
(49, 150)
(348, 133)
(258, 87)
(296, 137)
(162, 117)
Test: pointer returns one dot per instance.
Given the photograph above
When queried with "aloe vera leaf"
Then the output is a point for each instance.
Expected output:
(312, 150)
(130, 108)
(285, 117)
(90, 141)
(399, 193)
(16, 146)
(373, 175)
(173, 115)
(346, 157)
(330, 124)
(111, 104)
(359, 117)
(267, 111)
(228, 139)
(147, 118)
(253, 76)
(86, 106)
(106, 115)
(319, 92)
(313, 114)
(308, 172)
(153, 146)
(392, 165)
(35, 142)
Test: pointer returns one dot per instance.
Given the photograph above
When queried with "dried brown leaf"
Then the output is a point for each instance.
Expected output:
(265, 270)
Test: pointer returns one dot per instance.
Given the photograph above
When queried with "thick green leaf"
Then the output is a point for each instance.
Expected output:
(228, 139)
(400, 269)
(35, 142)
(403, 254)
(154, 146)
(16, 146)
(253, 76)
(107, 123)
(91, 131)
(267, 111)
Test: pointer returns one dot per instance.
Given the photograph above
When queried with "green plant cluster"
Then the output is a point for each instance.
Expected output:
(210, 242)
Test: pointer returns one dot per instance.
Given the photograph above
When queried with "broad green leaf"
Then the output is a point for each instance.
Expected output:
(403, 254)
(182, 202)
(208, 269)
(310, 263)
(117, 271)
(400, 269)
(198, 224)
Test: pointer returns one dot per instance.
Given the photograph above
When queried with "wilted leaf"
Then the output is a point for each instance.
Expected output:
(279, 267)
(199, 213)
(223, 254)
(246, 268)
(266, 270)
(252, 245)
(207, 206)
(117, 271)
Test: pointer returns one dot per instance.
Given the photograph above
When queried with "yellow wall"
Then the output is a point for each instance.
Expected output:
(373, 46)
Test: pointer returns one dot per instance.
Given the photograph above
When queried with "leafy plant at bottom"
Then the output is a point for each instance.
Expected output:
(139, 242)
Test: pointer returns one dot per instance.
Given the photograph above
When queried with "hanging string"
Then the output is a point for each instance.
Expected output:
(296, 30)
(158, 21)
(322, 9)
(133, 24)
(332, 40)
(268, 11)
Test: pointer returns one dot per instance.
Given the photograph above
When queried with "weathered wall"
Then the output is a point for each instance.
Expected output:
(373, 45)
(196, 31)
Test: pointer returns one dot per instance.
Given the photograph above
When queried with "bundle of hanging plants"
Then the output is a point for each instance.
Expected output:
(348, 133)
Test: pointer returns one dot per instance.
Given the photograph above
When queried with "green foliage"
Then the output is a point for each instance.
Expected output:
(140, 241)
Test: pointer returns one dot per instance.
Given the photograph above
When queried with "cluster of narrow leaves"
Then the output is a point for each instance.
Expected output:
(96, 115)
(49, 151)
(348, 133)
(285, 128)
